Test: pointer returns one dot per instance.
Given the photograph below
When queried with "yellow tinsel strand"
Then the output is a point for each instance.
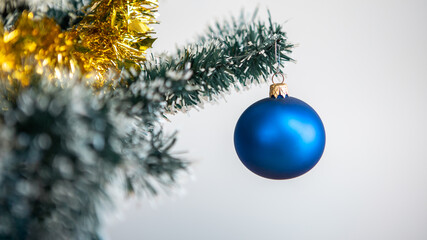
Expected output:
(34, 46)
(113, 34)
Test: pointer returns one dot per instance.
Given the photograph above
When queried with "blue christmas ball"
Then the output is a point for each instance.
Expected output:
(279, 138)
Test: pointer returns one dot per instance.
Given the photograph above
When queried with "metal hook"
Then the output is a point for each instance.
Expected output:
(276, 57)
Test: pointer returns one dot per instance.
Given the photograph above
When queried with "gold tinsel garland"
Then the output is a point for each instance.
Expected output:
(113, 34)
(34, 46)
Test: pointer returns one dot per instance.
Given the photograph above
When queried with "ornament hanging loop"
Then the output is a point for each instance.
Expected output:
(277, 74)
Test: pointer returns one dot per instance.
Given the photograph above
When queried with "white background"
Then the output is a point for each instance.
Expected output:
(362, 65)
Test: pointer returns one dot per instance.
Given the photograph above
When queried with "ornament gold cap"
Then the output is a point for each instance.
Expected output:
(278, 89)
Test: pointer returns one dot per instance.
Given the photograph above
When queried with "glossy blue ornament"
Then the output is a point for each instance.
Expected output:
(279, 138)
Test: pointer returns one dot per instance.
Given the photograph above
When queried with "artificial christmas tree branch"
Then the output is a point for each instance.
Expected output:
(61, 147)
(234, 53)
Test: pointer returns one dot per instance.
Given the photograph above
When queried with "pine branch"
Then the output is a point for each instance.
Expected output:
(235, 53)
(57, 158)
(148, 166)
(60, 147)
(66, 14)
